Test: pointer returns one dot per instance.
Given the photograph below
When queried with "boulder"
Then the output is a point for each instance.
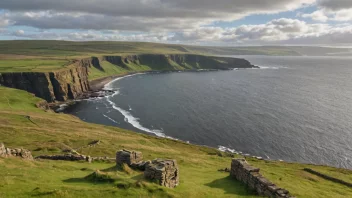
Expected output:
(164, 172)
(128, 157)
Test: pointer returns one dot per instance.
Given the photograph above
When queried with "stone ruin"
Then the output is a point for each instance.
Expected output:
(165, 172)
(128, 157)
(250, 176)
(17, 152)
(66, 157)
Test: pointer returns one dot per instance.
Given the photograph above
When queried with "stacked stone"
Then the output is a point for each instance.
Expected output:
(165, 172)
(23, 153)
(128, 157)
(67, 157)
(250, 176)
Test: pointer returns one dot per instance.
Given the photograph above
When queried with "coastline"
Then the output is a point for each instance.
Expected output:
(100, 86)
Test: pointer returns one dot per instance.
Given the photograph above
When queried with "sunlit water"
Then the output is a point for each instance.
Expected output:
(293, 109)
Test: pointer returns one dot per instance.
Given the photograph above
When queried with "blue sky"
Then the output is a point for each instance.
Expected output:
(221, 22)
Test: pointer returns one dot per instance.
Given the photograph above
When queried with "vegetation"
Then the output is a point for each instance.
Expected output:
(49, 133)
(53, 133)
(23, 56)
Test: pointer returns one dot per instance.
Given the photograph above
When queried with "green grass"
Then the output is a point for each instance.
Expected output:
(32, 65)
(52, 133)
(109, 70)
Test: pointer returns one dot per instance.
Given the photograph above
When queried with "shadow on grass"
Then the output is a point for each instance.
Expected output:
(104, 176)
(231, 186)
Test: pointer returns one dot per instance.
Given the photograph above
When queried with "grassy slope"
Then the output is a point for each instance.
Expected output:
(53, 133)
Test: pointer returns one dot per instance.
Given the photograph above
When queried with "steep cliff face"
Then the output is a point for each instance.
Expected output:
(51, 86)
(178, 61)
(73, 81)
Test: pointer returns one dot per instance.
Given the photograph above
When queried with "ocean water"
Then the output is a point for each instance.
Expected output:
(293, 108)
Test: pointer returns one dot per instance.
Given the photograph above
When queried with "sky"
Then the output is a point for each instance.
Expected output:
(202, 22)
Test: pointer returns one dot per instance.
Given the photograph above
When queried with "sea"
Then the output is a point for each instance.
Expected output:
(295, 109)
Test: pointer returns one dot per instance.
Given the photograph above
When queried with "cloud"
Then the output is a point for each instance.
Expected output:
(317, 16)
(275, 32)
(90, 36)
(332, 10)
(279, 31)
(334, 4)
(138, 15)
(4, 21)
(156, 8)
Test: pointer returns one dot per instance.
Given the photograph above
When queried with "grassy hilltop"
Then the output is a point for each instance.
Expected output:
(52, 133)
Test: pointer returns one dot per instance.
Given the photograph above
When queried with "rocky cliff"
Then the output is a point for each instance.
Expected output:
(71, 82)
(60, 85)
(177, 61)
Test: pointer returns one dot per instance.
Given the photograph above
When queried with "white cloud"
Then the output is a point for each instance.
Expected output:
(318, 15)
(275, 32)
(280, 31)
(333, 10)
(4, 21)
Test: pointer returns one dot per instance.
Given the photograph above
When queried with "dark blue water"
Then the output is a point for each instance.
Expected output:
(293, 109)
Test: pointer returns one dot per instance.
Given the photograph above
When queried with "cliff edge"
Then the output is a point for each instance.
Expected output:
(72, 81)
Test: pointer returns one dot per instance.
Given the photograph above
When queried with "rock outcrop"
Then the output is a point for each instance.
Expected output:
(128, 157)
(17, 152)
(61, 85)
(250, 176)
(164, 172)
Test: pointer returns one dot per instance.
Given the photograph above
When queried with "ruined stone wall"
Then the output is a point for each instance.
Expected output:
(164, 172)
(250, 176)
(17, 152)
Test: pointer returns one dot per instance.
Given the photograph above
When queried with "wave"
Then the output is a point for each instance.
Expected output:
(226, 149)
(112, 120)
(267, 67)
(133, 120)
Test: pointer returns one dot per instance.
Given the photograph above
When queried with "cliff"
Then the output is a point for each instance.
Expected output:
(51, 86)
(73, 81)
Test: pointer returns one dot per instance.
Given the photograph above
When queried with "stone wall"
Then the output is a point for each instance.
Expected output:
(67, 157)
(250, 176)
(327, 177)
(165, 172)
(17, 152)
(128, 157)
